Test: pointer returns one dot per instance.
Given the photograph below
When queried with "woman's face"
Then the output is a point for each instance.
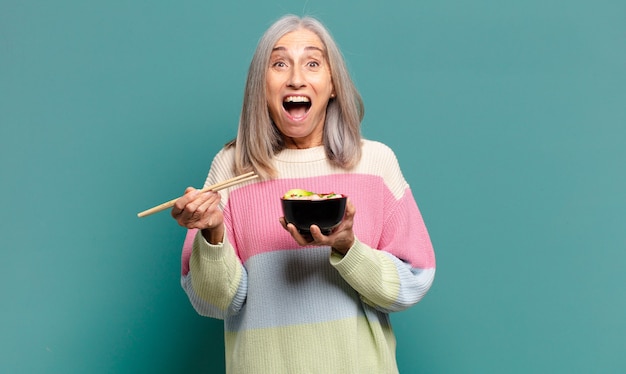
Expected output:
(299, 86)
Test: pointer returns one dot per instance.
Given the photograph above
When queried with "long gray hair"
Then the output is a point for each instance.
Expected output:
(258, 139)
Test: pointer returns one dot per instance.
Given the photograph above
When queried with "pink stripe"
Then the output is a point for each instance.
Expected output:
(406, 235)
(392, 225)
(187, 247)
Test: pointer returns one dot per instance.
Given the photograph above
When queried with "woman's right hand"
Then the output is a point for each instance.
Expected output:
(200, 210)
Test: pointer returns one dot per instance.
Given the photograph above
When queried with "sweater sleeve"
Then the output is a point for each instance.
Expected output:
(397, 271)
(212, 275)
(382, 280)
(215, 282)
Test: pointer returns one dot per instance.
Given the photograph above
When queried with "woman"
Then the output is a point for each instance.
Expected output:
(294, 304)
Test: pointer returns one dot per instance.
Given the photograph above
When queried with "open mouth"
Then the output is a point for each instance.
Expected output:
(297, 106)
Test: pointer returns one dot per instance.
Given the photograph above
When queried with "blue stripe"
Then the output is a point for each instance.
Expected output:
(292, 287)
(414, 283)
(207, 309)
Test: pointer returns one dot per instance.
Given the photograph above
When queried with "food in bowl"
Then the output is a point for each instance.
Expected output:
(304, 208)
(300, 194)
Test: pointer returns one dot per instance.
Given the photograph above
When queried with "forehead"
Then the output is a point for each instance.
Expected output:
(300, 39)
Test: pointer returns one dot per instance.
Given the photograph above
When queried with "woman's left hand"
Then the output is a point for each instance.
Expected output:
(340, 239)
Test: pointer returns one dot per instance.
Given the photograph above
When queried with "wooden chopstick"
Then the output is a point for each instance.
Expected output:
(216, 187)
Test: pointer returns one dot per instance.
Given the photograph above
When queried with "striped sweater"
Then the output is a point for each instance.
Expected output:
(292, 309)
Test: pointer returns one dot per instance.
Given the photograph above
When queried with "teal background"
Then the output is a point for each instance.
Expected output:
(508, 119)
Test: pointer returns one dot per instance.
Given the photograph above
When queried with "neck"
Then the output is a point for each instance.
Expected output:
(294, 143)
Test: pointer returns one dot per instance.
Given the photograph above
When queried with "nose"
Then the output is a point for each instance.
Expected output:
(296, 79)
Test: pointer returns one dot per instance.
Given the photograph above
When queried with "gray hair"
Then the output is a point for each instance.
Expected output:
(258, 139)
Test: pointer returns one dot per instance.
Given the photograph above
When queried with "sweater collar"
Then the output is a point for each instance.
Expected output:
(302, 155)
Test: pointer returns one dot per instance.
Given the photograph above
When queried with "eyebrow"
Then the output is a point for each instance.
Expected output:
(308, 48)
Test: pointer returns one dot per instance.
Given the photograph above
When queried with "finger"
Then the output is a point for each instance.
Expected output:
(205, 205)
(293, 231)
(302, 239)
(350, 209)
(185, 209)
(182, 201)
(201, 211)
(316, 234)
(348, 218)
(202, 217)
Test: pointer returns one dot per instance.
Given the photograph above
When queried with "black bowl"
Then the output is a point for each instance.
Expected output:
(325, 213)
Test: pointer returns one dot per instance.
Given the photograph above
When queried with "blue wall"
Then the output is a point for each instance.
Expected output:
(508, 119)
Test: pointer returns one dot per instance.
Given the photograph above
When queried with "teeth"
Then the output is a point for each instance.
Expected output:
(297, 99)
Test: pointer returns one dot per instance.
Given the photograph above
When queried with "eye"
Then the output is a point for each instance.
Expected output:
(313, 64)
(279, 64)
